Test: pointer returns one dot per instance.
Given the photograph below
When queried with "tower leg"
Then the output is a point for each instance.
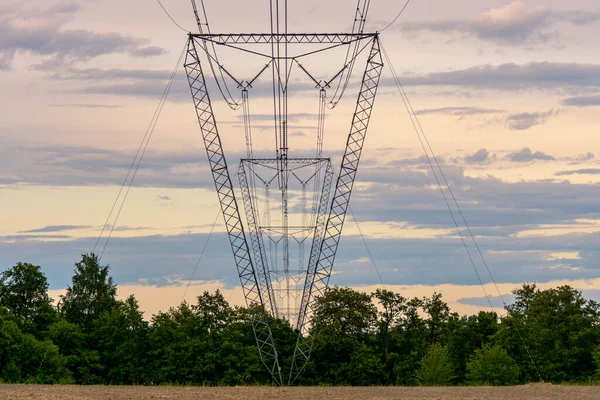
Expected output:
(231, 214)
(319, 277)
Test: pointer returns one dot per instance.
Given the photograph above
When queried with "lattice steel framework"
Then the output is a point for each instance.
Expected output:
(233, 223)
(317, 277)
(252, 259)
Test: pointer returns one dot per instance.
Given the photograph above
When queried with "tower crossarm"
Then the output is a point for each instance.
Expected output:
(290, 38)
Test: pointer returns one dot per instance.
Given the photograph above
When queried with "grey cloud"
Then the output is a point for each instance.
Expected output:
(582, 101)
(113, 74)
(524, 121)
(511, 24)
(480, 156)
(57, 228)
(83, 105)
(146, 83)
(578, 17)
(526, 155)
(269, 117)
(495, 301)
(535, 75)
(584, 171)
(125, 228)
(11, 238)
(496, 211)
(583, 157)
(422, 261)
(459, 111)
(42, 32)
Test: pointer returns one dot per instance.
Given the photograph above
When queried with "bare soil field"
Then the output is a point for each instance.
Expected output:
(536, 391)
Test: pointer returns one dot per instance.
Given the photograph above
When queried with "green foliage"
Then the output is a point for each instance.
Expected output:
(91, 294)
(491, 365)
(24, 293)
(11, 373)
(596, 357)
(92, 337)
(560, 329)
(435, 368)
(345, 312)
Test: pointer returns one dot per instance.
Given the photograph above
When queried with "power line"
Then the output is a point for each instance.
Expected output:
(201, 255)
(420, 131)
(171, 18)
(366, 246)
(397, 16)
(412, 116)
(138, 158)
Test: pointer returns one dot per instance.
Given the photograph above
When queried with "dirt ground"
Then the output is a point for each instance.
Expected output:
(537, 391)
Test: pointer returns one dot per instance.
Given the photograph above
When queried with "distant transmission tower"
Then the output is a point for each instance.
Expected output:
(288, 202)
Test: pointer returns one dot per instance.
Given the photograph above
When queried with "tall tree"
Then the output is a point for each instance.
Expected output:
(24, 293)
(557, 327)
(343, 322)
(393, 306)
(92, 292)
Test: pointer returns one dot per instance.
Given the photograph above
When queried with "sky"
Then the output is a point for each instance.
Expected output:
(508, 93)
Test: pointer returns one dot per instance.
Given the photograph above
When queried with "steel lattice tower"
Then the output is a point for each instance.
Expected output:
(284, 285)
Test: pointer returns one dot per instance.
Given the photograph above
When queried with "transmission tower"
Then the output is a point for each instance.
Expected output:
(294, 214)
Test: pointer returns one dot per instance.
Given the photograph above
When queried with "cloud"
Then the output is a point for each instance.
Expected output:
(584, 171)
(83, 105)
(582, 101)
(57, 228)
(112, 74)
(458, 111)
(291, 117)
(583, 157)
(524, 121)
(495, 301)
(13, 238)
(479, 157)
(42, 32)
(534, 75)
(525, 155)
(512, 24)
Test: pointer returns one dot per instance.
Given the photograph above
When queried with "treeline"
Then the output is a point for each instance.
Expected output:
(91, 337)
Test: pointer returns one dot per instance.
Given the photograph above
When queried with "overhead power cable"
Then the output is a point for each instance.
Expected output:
(413, 117)
(212, 228)
(171, 18)
(427, 149)
(366, 246)
(135, 164)
(397, 16)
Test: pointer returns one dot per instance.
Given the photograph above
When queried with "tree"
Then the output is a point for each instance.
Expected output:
(463, 335)
(435, 368)
(491, 365)
(343, 322)
(23, 358)
(560, 319)
(439, 314)
(24, 293)
(409, 342)
(121, 339)
(344, 311)
(92, 292)
(393, 306)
